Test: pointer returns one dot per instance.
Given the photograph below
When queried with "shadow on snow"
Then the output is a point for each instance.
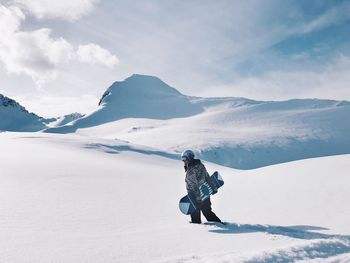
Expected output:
(321, 245)
(300, 232)
(116, 149)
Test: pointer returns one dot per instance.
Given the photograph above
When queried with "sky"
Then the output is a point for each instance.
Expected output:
(58, 57)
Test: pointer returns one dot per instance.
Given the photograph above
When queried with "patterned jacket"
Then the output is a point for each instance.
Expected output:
(196, 174)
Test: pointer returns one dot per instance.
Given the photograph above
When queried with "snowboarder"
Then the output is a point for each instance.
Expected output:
(195, 175)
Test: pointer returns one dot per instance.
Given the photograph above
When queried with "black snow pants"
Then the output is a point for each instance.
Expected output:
(205, 208)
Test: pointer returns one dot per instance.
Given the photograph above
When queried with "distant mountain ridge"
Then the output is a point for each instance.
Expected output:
(143, 96)
(8, 102)
(63, 120)
(15, 117)
(235, 132)
(138, 96)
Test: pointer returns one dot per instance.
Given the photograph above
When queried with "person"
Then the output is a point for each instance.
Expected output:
(196, 174)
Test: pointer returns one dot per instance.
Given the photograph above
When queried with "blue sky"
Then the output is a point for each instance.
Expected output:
(58, 57)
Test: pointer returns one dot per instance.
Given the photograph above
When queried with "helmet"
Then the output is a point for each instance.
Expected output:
(187, 155)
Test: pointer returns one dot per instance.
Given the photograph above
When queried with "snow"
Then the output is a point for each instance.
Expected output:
(104, 187)
(81, 198)
(63, 120)
(138, 96)
(255, 137)
(146, 111)
(15, 117)
(234, 132)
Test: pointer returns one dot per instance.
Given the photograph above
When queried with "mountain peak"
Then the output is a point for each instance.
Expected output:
(139, 80)
(138, 96)
(15, 117)
(6, 102)
(143, 77)
(139, 86)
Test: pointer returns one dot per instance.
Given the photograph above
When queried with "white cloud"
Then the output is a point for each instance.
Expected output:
(71, 10)
(93, 54)
(10, 19)
(39, 55)
(49, 105)
(33, 53)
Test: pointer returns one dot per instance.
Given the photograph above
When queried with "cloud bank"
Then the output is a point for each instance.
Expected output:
(36, 53)
(71, 10)
(94, 54)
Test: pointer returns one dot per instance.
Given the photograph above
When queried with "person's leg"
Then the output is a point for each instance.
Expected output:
(208, 213)
(196, 217)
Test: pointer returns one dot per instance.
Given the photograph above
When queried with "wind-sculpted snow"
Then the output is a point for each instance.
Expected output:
(244, 135)
(251, 156)
(271, 133)
(316, 246)
(318, 250)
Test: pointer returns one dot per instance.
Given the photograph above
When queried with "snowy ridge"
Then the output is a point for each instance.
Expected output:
(136, 97)
(234, 132)
(15, 117)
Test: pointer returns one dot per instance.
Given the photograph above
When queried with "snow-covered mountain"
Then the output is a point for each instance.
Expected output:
(63, 120)
(14, 117)
(235, 132)
(138, 96)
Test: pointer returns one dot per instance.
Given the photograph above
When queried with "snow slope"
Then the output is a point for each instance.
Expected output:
(84, 199)
(14, 117)
(234, 132)
(246, 137)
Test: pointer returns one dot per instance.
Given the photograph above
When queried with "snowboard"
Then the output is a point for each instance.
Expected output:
(187, 203)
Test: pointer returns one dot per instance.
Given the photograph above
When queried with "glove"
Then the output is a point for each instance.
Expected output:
(215, 190)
